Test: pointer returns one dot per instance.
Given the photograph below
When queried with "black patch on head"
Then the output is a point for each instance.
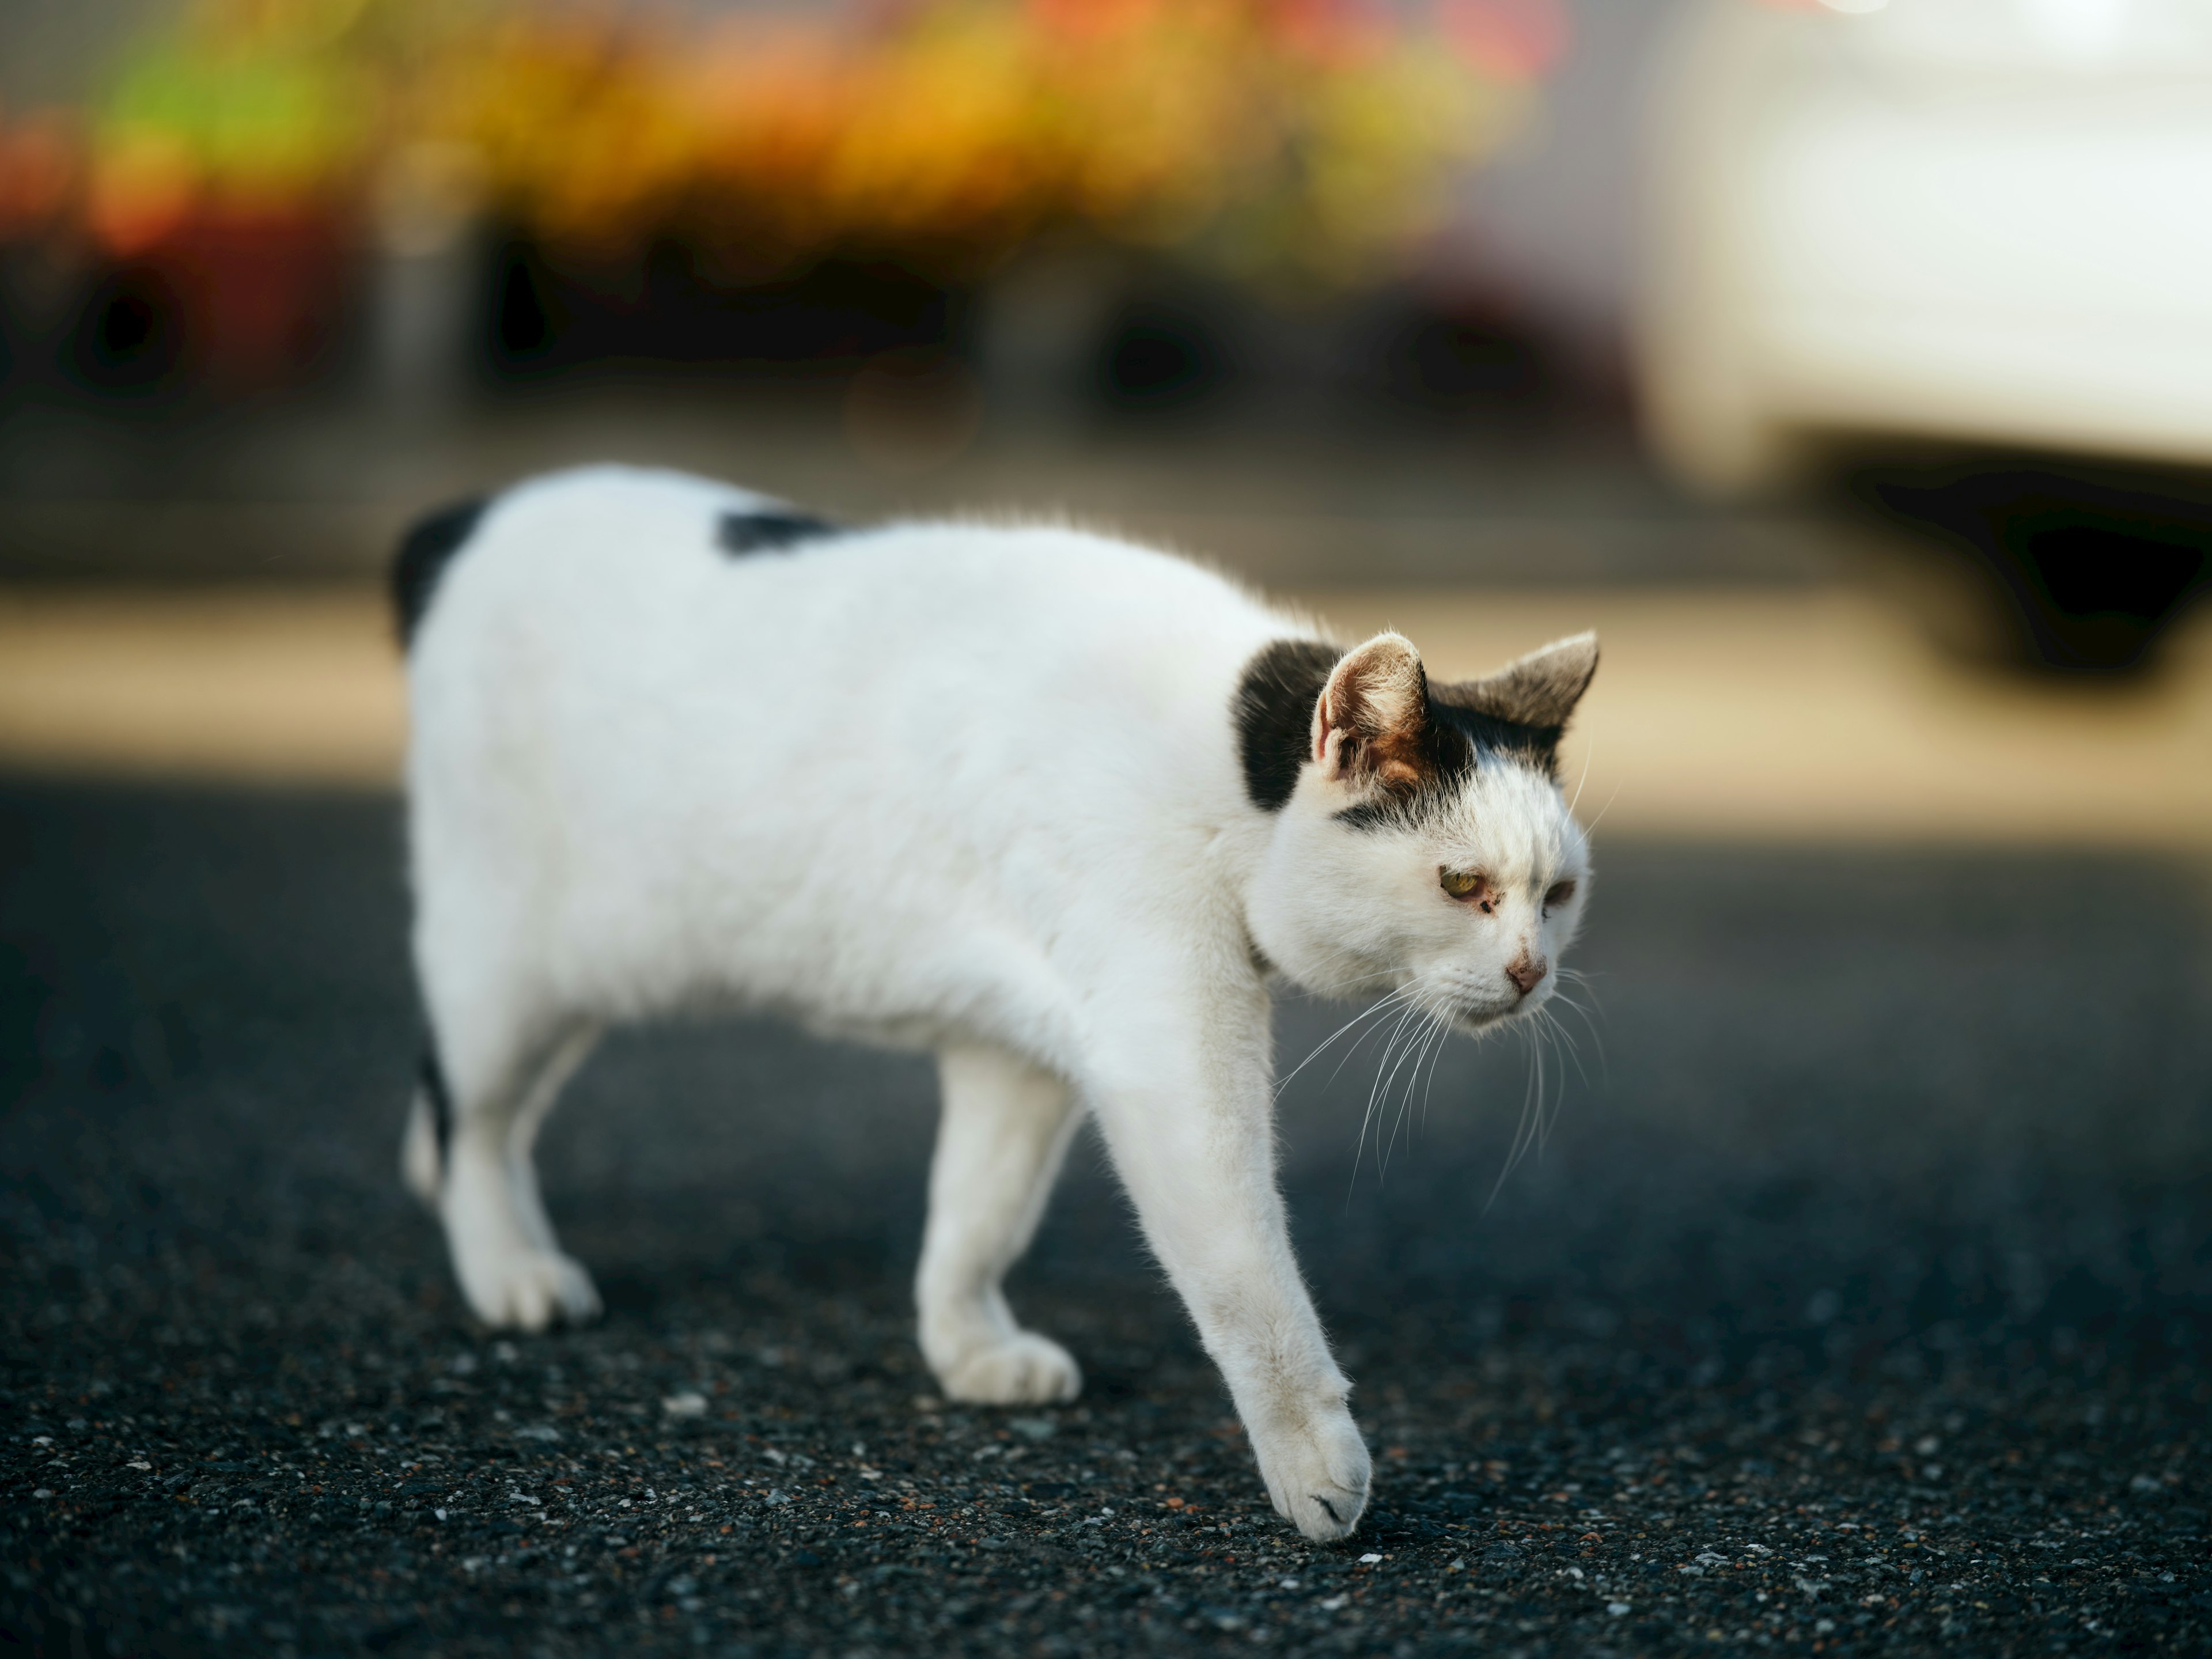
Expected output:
(424, 552)
(1383, 811)
(1275, 700)
(432, 1079)
(770, 530)
(1275, 711)
(1456, 740)
(1480, 731)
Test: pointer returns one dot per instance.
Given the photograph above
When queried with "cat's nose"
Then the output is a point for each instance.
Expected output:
(1526, 971)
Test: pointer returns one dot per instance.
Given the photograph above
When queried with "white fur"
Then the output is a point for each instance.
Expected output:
(972, 789)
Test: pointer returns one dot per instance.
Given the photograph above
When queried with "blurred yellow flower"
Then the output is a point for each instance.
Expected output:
(1306, 137)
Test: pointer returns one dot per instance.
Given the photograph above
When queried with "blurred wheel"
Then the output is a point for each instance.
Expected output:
(2086, 570)
(130, 338)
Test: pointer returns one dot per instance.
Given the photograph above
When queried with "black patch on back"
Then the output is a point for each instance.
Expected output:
(1274, 710)
(425, 550)
(770, 530)
(433, 1077)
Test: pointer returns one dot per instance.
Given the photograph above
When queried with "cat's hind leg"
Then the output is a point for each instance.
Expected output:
(429, 1126)
(1004, 1131)
(468, 1153)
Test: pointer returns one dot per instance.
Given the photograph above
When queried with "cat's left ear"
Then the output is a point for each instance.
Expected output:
(1539, 690)
(1370, 719)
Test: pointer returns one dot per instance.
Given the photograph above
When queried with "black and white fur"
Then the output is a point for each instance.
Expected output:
(1053, 806)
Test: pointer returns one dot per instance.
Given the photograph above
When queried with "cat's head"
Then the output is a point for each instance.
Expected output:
(1421, 842)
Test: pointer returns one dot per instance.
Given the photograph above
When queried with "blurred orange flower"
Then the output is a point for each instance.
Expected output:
(1306, 137)
(42, 160)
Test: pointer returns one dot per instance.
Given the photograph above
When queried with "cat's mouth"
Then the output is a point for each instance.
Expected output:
(1486, 1018)
(1481, 1009)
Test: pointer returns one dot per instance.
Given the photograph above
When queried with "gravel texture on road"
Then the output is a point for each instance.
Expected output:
(1856, 1303)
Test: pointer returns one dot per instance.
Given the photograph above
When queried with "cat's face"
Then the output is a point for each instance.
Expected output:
(1425, 847)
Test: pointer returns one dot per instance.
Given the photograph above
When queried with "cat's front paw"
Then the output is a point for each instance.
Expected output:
(1027, 1370)
(528, 1289)
(1318, 1471)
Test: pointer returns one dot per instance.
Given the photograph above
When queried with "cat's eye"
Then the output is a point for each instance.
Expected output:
(1468, 886)
(1559, 892)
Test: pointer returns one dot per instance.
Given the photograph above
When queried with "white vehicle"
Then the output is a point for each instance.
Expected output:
(1980, 221)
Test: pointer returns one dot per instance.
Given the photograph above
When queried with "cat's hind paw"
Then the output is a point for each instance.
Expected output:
(1027, 1370)
(530, 1290)
(1318, 1475)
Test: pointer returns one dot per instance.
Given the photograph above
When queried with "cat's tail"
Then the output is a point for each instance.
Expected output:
(429, 1125)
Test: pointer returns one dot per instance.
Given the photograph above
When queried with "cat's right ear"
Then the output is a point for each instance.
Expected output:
(1370, 721)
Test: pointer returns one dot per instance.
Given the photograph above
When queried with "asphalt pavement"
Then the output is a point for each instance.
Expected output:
(1856, 1302)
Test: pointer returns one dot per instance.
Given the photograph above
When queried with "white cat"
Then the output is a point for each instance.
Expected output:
(1056, 807)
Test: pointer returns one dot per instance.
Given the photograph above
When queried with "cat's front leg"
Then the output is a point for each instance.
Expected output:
(1193, 1141)
(1004, 1130)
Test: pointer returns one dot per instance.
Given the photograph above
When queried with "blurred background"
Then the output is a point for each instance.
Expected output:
(1847, 365)
(1846, 361)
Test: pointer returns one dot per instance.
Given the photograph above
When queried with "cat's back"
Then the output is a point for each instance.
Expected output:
(610, 583)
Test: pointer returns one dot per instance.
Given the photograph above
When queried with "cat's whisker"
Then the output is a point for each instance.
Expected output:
(1403, 1001)
(1379, 1090)
(1539, 1051)
(1440, 1035)
(1373, 1008)
(1564, 1053)
(1581, 981)
(1590, 1019)
(1521, 1133)
(1590, 828)
(1359, 1145)
(1446, 1028)
(1543, 1095)
(1564, 1045)
(1563, 1042)
(1395, 1056)
(1559, 1077)
(1590, 748)
(1424, 1041)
